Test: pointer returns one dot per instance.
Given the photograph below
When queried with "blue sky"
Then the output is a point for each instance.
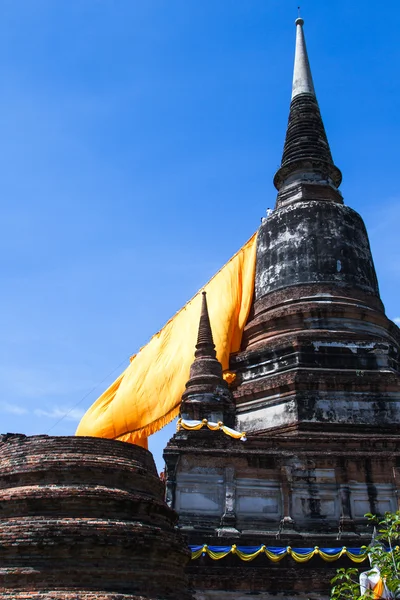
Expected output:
(138, 144)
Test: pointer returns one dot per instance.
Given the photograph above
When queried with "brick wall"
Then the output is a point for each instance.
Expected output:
(85, 518)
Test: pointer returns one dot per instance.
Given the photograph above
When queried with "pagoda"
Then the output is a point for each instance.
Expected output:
(316, 389)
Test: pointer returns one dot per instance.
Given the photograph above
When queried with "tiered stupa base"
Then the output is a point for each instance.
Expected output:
(84, 518)
(300, 491)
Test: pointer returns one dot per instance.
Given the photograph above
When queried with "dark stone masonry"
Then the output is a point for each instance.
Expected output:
(316, 389)
(85, 518)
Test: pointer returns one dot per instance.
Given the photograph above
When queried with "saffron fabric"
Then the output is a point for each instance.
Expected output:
(275, 554)
(147, 395)
(378, 589)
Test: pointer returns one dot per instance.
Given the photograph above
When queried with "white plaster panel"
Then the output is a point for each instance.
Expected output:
(385, 500)
(348, 410)
(305, 499)
(200, 493)
(320, 476)
(325, 475)
(360, 506)
(258, 498)
(328, 507)
(257, 505)
(262, 417)
(204, 501)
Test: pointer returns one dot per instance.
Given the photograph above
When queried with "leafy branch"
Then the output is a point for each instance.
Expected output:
(383, 553)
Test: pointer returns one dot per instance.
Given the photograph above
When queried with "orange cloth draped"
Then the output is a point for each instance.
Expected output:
(147, 395)
(378, 589)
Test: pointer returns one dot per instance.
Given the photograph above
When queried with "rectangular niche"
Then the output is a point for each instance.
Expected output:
(382, 496)
(199, 493)
(321, 506)
(258, 499)
(315, 495)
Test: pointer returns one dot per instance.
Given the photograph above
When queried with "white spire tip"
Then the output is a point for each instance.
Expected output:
(302, 79)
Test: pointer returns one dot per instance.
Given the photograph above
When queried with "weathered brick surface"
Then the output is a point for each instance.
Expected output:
(292, 460)
(85, 518)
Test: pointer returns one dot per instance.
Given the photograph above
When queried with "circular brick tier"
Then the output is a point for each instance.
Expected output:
(84, 518)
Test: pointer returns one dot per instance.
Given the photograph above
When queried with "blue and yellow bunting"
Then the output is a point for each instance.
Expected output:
(275, 554)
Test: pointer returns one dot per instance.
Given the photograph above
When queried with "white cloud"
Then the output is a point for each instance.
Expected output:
(12, 409)
(35, 383)
(59, 412)
(397, 320)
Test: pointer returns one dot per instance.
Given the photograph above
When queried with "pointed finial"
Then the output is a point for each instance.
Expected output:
(306, 151)
(302, 78)
(205, 343)
(299, 20)
(205, 386)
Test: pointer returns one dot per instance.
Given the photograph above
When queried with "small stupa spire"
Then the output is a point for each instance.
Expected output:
(205, 369)
(205, 344)
(206, 391)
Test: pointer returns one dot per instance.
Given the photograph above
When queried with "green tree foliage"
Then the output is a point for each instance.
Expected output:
(383, 552)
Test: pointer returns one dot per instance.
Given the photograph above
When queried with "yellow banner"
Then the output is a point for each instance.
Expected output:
(147, 395)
